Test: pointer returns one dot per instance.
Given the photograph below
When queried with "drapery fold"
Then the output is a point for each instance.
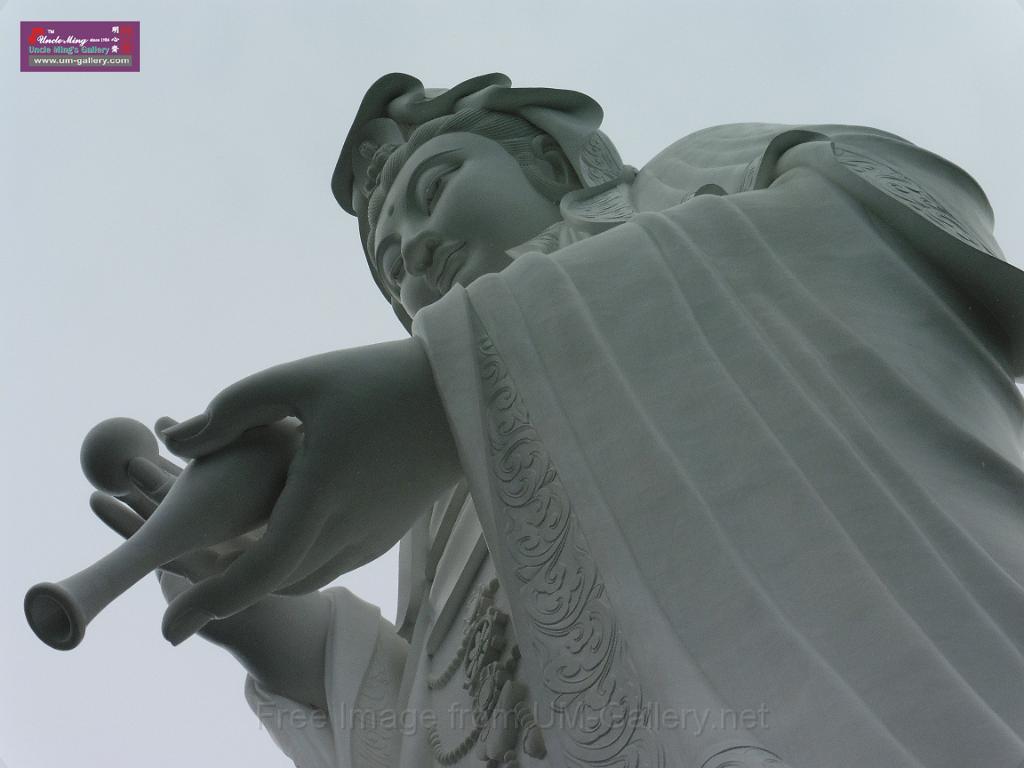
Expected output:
(793, 458)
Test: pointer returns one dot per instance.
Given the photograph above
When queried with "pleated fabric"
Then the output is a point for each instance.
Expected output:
(794, 457)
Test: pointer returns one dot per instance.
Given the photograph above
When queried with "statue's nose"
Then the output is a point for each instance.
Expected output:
(418, 253)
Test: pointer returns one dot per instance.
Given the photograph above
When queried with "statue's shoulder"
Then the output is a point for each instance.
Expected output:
(884, 171)
(929, 199)
(738, 156)
(737, 142)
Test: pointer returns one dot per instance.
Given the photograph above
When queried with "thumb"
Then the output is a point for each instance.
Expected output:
(183, 433)
(260, 399)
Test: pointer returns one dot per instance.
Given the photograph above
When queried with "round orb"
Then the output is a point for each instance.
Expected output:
(108, 448)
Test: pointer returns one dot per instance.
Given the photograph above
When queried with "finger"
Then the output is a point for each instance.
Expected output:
(182, 570)
(140, 502)
(166, 422)
(118, 516)
(194, 566)
(151, 480)
(316, 578)
(335, 551)
(169, 466)
(171, 581)
(294, 525)
(224, 561)
(260, 399)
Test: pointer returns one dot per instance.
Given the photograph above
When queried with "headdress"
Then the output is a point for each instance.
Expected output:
(397, 104)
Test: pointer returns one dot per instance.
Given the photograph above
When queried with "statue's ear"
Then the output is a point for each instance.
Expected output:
(553, 161)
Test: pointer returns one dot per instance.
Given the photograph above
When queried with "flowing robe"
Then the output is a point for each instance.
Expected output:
(752, 448)
(364, 661)
(746, 451)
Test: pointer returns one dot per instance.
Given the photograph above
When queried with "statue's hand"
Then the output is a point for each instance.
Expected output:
(126, 515)
(376, 450)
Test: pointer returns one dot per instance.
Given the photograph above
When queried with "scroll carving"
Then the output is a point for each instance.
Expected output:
(376, 747)
(900, 186)
(599, 161)
(744, 757)
(598, 707)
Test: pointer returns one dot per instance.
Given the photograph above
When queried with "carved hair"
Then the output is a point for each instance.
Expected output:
(513, 133)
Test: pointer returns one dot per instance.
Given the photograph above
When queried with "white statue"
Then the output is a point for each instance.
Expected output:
(740, 427)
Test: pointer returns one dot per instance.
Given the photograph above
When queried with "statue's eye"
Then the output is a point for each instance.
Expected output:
(433, 191)
(396, 271)
(393, 267)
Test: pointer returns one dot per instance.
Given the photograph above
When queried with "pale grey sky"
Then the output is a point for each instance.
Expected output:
(171, 231)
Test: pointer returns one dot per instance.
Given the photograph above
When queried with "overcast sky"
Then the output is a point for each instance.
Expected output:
(171, 231)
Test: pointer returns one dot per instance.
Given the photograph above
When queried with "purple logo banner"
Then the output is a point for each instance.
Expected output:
(79, 46)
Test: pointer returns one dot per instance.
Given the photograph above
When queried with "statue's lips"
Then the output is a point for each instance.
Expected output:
(450, 266)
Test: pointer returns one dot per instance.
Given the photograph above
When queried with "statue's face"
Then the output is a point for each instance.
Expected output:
(458, 204)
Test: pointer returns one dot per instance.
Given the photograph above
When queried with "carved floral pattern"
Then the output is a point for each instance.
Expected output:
(599, 162)
(744, 757)
(511, 723)
(486, 642)
(454, 754)
(610, 207)
(500, 712)
(375, 747)
(484, 597)
(597, 702)
(900, 186)
(489, 683)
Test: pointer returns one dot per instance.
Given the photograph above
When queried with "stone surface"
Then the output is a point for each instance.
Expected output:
(739, 430)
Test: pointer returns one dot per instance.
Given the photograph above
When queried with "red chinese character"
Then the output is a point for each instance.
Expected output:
(126, 42)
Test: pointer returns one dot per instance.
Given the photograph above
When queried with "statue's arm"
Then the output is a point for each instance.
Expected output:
(364, 664)
(310, 658)
(377, 448)
(285, 643)
(278, 640)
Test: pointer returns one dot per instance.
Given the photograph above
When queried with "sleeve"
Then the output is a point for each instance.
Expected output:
(301, 732)
(365, 659)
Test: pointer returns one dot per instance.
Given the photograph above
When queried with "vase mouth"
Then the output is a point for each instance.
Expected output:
(54, 616)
